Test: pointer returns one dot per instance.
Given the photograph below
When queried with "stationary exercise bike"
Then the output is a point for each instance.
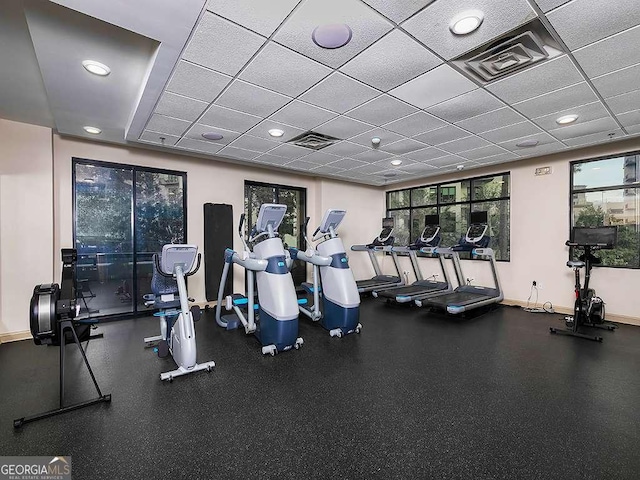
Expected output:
(178, 335)
(53, 313)
(588, 310)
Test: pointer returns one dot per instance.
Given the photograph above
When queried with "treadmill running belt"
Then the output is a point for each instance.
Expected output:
(456, 298)
(410, 290)
(371, 283)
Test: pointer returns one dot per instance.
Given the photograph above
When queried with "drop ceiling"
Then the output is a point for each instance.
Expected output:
(242, 68)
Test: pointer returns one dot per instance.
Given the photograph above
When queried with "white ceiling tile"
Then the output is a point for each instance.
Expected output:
(434, 86)
(586, 113)
(425, 154)
(537, 80)
(543, 138)
(369, 169)
(255, 144)
(197, 82)
(464, 144)
(567, 97)
(261, 17)
(544, 149)
(502, 117)
(629, 118)
(580, 129)
(612, 53)
(302, 115)
(238, 153)
(625, 102)
(214, 38)
(467, 105)
(262, 130)
(633, 130)
(595, 138)
(229, 119)
(291, 152)
(251, 99)
(372, 156)
(327, 170)
(384, 135)
(339, 93)
(177, 106)
(419, 168)
(441, 135)
(582, 22)
(618, 82)
(447, 161)
(398, 11)
(431, 25)
(366, 25)
(162, 139)
(196, 131)
(345, 149)
(483, 152)
(343, 127)
(320, 158)
(546, 5)
(512, 131)
(415, 124)
(381, 110)
(348, 163)
(172, 126)
(405, 145)
(300, 165)
(281, 70)
(198, 146)
(272, 159)
(391, 61)
(500, 158)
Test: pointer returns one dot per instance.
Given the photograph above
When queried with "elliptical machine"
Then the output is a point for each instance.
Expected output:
(340, 298)
(588, 310)
(267, 265)
(178, 334)
(53, 313)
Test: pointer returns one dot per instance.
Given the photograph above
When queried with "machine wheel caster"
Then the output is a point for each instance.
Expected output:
(270, 349)
(336, 333)
(170, 379)
(598, 339)
(552, 330)
(358, 328)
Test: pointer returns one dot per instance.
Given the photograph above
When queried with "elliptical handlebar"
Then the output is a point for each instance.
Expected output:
(156, 259)
(194, 270)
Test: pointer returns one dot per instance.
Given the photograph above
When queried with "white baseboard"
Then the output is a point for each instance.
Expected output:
(15, 336)
(612, 317)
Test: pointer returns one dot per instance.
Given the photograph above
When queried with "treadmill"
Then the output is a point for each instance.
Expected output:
(427, 242)
(383, 243)
(470, 297)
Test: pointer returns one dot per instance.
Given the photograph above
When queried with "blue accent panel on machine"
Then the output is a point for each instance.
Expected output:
(339, 260)
(281, 333)
(294, 253)
(277, 265)
(228, 255)
(335, 316)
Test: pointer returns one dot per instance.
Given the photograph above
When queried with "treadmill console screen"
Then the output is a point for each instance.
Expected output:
(478, 217)
(476, 231)
(429, 232)
(387, 229)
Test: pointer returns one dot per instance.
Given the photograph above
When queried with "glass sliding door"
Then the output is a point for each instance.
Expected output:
(122, 215)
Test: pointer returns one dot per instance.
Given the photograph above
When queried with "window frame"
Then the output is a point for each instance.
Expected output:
(438, 204)
(572, 192)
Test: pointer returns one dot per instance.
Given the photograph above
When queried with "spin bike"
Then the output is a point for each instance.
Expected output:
(588, 310)
(177, 331)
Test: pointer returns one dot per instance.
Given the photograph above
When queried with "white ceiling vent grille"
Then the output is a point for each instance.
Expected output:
(528, 45)
(313, 140)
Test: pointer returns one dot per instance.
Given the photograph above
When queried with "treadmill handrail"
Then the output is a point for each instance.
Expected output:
(359, 248)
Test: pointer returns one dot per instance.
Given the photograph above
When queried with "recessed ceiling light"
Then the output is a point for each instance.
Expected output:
(396, 162)
(375, 141)
(92, 130)
(96, 68)
(460, 167)
(466, 22)
(527, 143)
(332, 35)
(276, 132)
(566, 119)
(212, 136)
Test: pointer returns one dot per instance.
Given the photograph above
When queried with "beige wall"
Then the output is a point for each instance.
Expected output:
(539, 228)
(26, 219)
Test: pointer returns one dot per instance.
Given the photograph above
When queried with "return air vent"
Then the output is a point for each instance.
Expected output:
(528, 45)
(313, 140)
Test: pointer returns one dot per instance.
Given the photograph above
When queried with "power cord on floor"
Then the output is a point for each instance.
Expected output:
(547, 307)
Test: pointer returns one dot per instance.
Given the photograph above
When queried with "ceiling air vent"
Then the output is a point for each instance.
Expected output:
(313, 140)
(528, 45)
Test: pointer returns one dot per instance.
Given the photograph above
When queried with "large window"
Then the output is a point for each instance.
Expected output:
(454, 201)
(122, 216)
(606, 191)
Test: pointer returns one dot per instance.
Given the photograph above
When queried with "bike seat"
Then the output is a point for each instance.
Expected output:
(573, 264)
